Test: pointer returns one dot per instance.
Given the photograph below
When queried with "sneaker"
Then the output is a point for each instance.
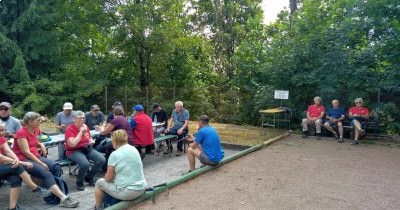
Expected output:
(305, 134)
(68, 202)
(354, 142)
(178, 153)
(80, 187)
(42, 191)
(340, 140)
(187, 172)
(15, 208)
(336, 135)
(90, 181)
(318, 136)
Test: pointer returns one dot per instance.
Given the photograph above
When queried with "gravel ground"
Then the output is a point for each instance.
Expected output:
(296, 174)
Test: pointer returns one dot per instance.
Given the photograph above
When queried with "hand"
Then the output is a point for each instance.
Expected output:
(15, 163)
(62, 126)
(26, 164)
(180, 131)
(97, 128)
(44, 151)
(167, 130)
(83, 129)
(91, 142)
(6, 134)
(190, 138)
(44, 166)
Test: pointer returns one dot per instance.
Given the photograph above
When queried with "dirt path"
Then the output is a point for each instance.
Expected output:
(296, 174)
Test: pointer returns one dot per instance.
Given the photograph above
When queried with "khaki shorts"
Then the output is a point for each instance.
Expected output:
(119, 193)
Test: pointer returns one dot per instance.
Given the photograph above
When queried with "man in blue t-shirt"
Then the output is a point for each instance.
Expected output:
(210, 152)
(335, 116)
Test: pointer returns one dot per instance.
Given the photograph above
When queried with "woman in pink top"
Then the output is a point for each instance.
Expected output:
(26, 148)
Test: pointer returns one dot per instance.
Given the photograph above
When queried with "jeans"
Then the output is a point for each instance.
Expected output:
(7, 172)
(179, 145)
(82, 160)
(45, 175)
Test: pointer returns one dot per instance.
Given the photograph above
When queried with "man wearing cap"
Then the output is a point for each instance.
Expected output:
(142, 130)
(110, 117)
(159, 116)
(12, 124)
(94, 117)
(210, 151)
(178, 125)
(64, 118)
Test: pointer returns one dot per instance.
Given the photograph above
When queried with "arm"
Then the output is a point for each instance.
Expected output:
(74, 141)
(23, 145)
(8, 158)
(322, 115)
(169, 124)
(110, 174)
(106, 130)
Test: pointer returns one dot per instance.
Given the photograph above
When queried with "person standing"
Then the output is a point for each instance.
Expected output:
(178, 125)
(315, 113)
(12, 124)
(206, 146)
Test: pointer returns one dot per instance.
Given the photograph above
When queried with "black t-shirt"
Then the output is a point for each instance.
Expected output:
(161, 117)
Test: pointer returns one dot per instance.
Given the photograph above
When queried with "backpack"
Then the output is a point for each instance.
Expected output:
(57, 172)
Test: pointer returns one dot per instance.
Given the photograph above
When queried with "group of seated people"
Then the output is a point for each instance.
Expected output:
(334, 118)
(124, 178)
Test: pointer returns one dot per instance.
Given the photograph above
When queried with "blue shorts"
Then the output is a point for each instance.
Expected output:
(332, 124)
(204, 160)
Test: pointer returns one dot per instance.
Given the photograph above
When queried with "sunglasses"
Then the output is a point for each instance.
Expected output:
(4, 108)
(357, 102)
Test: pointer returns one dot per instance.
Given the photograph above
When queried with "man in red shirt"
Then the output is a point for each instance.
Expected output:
(315, 113)
(358, 116)
(142, 129)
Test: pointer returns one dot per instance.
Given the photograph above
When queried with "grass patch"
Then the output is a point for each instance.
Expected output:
(238, 134)
(229, 133)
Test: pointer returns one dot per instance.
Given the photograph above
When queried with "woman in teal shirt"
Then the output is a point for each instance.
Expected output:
(124, 179)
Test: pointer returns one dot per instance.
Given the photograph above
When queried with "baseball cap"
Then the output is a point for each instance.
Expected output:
(204, 118)
(94, 107)
(6, 104)
(68, 105)
(138, 108)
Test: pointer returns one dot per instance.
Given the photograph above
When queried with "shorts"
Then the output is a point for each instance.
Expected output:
(362, 122)
(204, 160)
(332, 124)
(7, 172)
(119, 193)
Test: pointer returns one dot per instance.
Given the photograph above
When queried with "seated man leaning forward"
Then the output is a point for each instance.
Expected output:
(315, 113)
(124, 179)
(206, 147)
(358, 116)
(79, 148)
(335, 116)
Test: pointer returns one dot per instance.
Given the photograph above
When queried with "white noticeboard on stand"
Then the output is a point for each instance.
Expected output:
(281, 94)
